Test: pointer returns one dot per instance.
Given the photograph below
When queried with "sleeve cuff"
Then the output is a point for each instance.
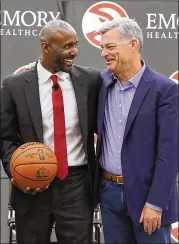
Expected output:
(153, 207)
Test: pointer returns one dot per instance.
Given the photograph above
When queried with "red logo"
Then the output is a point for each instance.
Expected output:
(175, 76)
(97, 15)
(175, 234)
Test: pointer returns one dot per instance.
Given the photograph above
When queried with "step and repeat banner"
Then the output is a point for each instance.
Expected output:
(22, 20)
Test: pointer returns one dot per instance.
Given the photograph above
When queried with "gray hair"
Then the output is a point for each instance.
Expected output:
(54, 26)
(128, 28)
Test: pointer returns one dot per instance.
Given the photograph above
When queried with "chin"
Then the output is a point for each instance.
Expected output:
(110, 68)
(67, 69)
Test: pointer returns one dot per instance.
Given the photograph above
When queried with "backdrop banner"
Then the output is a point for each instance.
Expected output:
(21, 21)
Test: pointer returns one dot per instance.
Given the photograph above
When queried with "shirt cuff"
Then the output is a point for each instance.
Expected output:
(153, 207)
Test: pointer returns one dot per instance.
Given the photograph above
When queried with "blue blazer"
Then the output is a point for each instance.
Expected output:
(149, 153)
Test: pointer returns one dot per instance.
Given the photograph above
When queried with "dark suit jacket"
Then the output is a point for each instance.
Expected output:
(21, 119)
(149, 153)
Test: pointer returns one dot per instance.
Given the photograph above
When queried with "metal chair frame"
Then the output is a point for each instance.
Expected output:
(97, 226)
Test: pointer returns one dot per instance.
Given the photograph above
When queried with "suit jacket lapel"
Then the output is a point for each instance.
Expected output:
(81, 99)
(139, 96)
(31, 90)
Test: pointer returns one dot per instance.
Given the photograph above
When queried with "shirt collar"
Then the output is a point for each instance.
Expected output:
(44, 75)
(63, 75)
(136, 78)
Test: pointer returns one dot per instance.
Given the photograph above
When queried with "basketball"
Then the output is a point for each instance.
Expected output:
(33, 165)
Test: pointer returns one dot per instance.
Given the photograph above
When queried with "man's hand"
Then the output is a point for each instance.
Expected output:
(28, 189)
(25, 67)
(151, 219)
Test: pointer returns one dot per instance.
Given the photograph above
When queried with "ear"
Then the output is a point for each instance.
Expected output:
(45, 47)
(134, 43)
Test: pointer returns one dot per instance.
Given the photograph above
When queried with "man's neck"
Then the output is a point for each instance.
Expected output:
(129, 70)
(47, 66)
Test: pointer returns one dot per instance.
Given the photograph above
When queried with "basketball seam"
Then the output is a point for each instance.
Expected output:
(35, 163)
(32, 179)
(13, 176)
(28, 150)
(16, 180)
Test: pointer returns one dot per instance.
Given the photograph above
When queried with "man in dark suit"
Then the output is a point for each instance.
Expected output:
(137, 141)
(28, 114)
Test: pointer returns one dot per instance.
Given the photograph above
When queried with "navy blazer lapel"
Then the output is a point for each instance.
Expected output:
(31, 90)
(107, 80)
(140, 94)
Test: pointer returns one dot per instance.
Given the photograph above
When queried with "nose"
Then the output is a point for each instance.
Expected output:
(104, 53)
(74, 51)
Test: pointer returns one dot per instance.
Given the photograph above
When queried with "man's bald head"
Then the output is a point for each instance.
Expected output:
(49, 31)
(58, 46)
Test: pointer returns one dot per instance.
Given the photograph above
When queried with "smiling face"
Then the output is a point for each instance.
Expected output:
(61, 51)
(117, 52)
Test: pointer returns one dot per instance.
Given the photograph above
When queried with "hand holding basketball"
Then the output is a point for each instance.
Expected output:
(33, 166)
(28, 189)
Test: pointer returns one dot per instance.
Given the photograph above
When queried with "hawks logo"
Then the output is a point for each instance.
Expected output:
(175, 76)
(98, 14)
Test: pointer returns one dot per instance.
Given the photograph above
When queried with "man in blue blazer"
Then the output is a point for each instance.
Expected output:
(137, 141)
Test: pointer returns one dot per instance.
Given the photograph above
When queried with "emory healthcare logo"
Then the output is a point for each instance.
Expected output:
(24, 23)
(175, 76)
(97, 15)
(161, 26)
